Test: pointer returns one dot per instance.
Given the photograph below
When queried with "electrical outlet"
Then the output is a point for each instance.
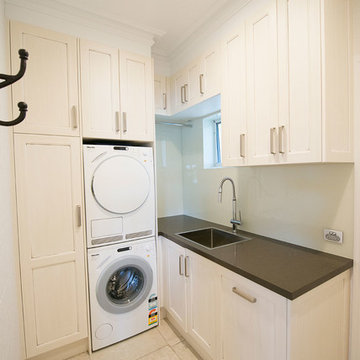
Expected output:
(333, 236)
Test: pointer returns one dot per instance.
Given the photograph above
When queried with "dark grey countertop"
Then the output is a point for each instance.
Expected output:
(284, 268)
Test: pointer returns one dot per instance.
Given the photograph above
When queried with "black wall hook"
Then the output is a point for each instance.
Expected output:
(23, 109)
(10, 79)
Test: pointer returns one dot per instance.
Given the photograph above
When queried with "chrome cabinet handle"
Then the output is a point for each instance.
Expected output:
(186, 86)
(281, 139)
(181, 272)
(242, 145)
(272, 140)
(124, 122)
(164, 101)
(187, 266)
(74, 117)
(78, 215)
(182, 94)
(117, 121)
(201, 78)
(243, 295)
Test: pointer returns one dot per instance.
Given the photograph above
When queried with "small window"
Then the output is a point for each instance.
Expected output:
(217, 125)
(212, 141)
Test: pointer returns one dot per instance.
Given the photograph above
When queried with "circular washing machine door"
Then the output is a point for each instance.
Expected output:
(120, 184)
(124, 284)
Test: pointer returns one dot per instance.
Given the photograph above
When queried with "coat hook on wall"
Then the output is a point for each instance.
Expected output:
(10, 79)
(23, 109)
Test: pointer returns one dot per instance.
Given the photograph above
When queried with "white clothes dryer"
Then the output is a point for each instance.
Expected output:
(123, 291)
(119, 193)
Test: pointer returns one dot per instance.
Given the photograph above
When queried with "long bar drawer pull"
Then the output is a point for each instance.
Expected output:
(117, 121)
(281, 139)
(78, 215)
(272, 141)
(187, 266)
(74, 117)
(242, 145)
(181, 272)
(124, 122)
(201, 79)
(243, 295)
(164, 101)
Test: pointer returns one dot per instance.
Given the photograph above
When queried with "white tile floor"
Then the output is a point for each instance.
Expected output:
(160, 343)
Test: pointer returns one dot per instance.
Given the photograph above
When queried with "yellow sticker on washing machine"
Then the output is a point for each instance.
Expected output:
(153, 317)
(153, 320)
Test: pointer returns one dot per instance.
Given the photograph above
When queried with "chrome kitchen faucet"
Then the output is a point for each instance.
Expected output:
(234, 221)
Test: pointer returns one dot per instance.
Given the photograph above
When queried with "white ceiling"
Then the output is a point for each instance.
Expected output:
(170, 21)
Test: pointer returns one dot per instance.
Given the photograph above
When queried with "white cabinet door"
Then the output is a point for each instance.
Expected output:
(202, 283)
(137, 97)
(178, 85)
(100, 91)
(299, 80)
(233, 99)
(253, 321)
(210, 73)
(192, 88)
(49, 86)
(161, 95)
(48, 183)
(176, 284)
(262, 84)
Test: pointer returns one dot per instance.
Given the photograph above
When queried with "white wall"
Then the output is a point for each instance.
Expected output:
(292, 203)
(169, 170)
(10, 344)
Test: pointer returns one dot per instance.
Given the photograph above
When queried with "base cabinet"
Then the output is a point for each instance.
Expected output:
(225, 316)
(188, 291)
(253, 321)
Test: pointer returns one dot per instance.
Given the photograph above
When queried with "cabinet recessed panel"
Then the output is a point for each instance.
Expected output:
(48, 188)
(100, 79)
(55, 302)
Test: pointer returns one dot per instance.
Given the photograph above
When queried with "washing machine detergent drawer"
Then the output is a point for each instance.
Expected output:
(123, 291)
(119, 193)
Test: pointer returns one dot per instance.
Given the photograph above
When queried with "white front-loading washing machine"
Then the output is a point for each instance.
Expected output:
(119, 193)
(123, 291)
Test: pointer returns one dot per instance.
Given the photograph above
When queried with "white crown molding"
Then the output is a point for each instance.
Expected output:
(84, 18)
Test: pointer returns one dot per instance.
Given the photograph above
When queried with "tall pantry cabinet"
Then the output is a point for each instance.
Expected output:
(47, 149)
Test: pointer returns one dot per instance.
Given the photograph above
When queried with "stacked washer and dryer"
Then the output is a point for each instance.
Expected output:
(120, 227)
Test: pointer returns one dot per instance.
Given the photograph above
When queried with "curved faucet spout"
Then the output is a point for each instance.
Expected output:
(234, 221)
(221, 186)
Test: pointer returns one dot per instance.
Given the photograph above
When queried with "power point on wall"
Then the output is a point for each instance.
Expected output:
(333, 236)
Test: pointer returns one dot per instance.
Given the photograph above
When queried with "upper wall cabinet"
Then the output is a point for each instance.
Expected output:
(199, 81)
(137, 97)
(117, 96)
(315, 118)
(262, 87)
(100, 90)
(49, 86)
(162, 95)
(296, 81)
(233, 99)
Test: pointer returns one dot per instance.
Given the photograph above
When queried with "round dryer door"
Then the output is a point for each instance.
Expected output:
(120, 184)
(124, 285)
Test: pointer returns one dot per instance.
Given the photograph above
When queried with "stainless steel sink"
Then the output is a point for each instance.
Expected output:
(212, 238)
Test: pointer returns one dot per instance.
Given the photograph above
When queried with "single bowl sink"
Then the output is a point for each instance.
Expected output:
(212, 238)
